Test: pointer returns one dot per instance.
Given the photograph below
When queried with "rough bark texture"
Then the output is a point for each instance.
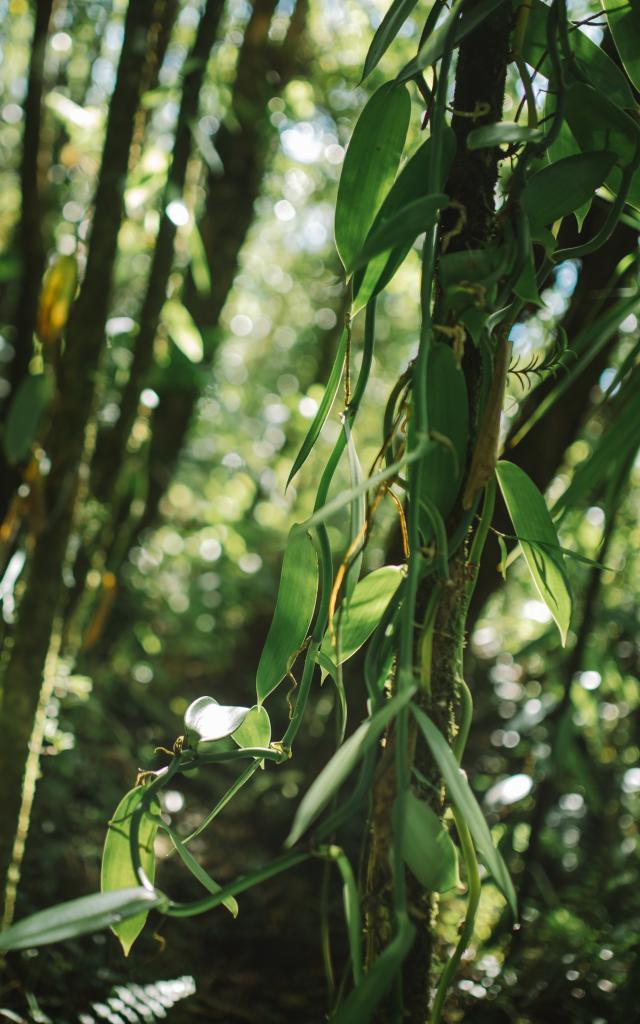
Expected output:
(24, 661)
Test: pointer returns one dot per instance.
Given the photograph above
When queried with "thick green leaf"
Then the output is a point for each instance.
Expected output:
(501, 133)
(427, 847)
(401, 229)
(346, 757)
(293, 613)
(206, 721)
(117, 869)
(465, 802)
(598, 124)
(255, 730)
(361, 613)
(30, 401)
(408, 186)
(434, 46)
(593, 62)
(565, 144)
(77, 917)
(564, 186)
(533, 527)
(183, 330)
(386, 32)
(369, 167)
(324, 408)
(624, 23)
(448, 412)
(360, 1005)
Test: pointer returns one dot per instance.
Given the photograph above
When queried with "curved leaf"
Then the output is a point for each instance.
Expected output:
(255, 730)
(324, 408)
(402, 229)
(434, 46)
(531, 520)
(427, 847)
(117, 870)
(342, 764)
(564, 186)
(386, 32)
(624, 23)
(77, 917)
(206, 721)
(499, 134)
(293, 612)
(361, 613)
(461, 796)
(369, 167)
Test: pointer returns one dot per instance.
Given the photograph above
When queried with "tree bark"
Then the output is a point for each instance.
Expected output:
(23, 687)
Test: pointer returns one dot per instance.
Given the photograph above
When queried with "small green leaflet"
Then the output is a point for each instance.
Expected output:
(117, 869)
(361, 613)
(401, 229)
(206, 721)
(359, 1006)
(342, 764)
(32, 398)
(427, 847)
(531, 519)
(293, 613)
(564, 186)
(435, 45)
(369, 167)
(503, 132)
(255, 730)
(386, 32)
(624, 23)
(324, 408)
(77, 917)
(461, 796)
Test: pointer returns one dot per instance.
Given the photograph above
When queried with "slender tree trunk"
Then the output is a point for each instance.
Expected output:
(22, 685)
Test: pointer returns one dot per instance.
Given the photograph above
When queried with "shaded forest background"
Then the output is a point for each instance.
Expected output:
(144, 523)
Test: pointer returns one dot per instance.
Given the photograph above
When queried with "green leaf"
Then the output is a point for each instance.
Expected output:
(530, 517)
(593, 62)
(33, 396)
(361, 613)
(369, 167)
(293, 612)
(434, 47)
(360, 1005)
(598, 124)
(182, 330)
(448, 411)
(206, 721)
(408, 186)
(117, 868)
(501, 133)
(401, 229)
(564, 186)
(324, 408)
(465, 802)
(624, 23)
(346, 757)
(427, 847)
(198, 871)
(255, 730)
(358, 514)
(386, 32)
(77, 917)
